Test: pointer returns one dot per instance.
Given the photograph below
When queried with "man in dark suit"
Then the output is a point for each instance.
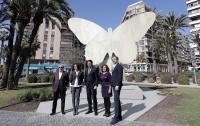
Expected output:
(91, 82)
(60, 84)
(116, 82)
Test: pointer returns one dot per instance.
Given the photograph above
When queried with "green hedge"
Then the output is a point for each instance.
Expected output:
(32, 78)
(139, 77)
(40, 78)
(166, 78)
(198, 78)
(151, 78)
(130, 78)
(43, 94)
(183, 79)
(43, 78)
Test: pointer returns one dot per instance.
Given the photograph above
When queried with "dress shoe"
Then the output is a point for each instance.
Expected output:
(53, 113)
(95, 113)
(63, 113)
(107, 115)
(88, 112)
(74, 113)
(115, 121)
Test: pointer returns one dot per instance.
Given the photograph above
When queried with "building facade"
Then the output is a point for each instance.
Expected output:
(144, 46)
(57, 44)
(193, 8)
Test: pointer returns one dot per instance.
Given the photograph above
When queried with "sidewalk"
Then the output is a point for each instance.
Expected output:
(131, 108)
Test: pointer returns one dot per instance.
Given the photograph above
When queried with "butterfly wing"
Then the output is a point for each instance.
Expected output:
(86, 31)
(128, 33)
(91, 35)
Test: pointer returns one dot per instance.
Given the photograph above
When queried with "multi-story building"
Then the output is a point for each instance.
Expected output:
(144, 45)
(193, 8)
(57, 45)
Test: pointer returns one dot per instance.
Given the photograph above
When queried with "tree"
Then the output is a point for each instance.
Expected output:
(22, 19)
(172, 23)
(8, 12)
(58, 9)
(19, 13)
(3, 37)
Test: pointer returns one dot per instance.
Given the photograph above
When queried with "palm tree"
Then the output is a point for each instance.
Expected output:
(45, 9)
(165, 41)
(3, 37)
(19, 13)
(8, 12)
(22, 19)
(25, 44)
(172, 23)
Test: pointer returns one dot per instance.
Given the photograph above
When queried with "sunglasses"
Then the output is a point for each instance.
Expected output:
(61, 67)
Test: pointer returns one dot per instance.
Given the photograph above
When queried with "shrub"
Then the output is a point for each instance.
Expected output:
(151, 78)
(130, 78)
(27, 96)
(43, 94)
(165, 78)
(139, 77)
(51, 77)
(183, 79)
(198, 78)
(43, 78)
(32, 78)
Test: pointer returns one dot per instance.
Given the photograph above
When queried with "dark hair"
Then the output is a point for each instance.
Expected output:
(115, 57)
(107, 68)
(78, 66)
(90, 62)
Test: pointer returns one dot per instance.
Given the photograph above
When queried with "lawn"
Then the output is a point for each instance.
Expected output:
(8, 97)
(189, 106)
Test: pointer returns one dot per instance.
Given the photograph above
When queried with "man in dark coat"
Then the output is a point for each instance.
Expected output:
(116, 82)
(60, 84)
(91, 82)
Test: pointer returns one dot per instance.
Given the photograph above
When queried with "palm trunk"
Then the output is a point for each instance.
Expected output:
(2, 45)
(170, 67)
(28, 63)
(27, 51)
(15, 54)
(154, 66)
(9, 54)
(175, 65)
(19, 71)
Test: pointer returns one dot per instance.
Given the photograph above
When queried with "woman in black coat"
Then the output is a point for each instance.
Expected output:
(76, 81)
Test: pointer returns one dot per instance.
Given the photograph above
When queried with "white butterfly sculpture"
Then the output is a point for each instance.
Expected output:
(121, 42)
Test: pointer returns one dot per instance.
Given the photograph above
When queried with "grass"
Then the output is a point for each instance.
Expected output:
(188, 108)
(7, 97)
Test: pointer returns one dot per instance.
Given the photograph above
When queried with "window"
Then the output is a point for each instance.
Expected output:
(53, 25)
(45, 35)
(46, 23)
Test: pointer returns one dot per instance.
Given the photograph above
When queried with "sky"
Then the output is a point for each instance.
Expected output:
(109, 13)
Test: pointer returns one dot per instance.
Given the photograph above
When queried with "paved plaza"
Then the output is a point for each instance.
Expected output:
(135, 102)
(133, 106)
(35, 119)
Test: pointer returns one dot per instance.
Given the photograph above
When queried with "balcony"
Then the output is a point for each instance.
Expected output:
(197, 13)
(190, 1)
(193, 8)
(194, 22)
